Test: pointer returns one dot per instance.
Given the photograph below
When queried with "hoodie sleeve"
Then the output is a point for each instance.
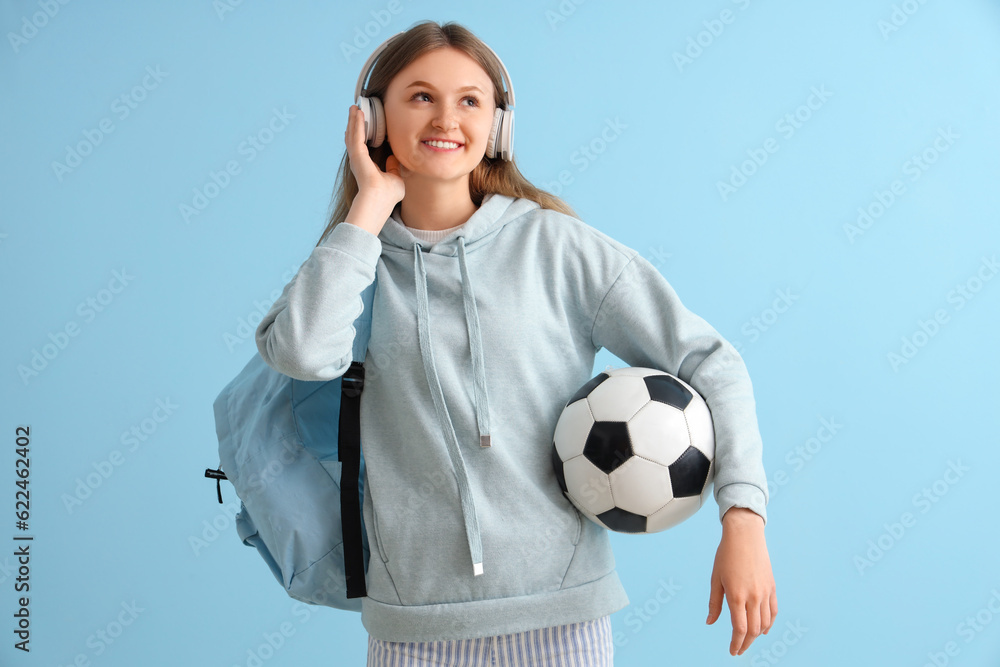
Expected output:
(643, 322)
(308, 333)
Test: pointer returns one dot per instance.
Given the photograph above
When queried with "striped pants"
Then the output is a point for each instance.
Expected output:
(585, 644)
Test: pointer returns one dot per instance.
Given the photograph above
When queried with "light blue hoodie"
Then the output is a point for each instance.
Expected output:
(478, 340)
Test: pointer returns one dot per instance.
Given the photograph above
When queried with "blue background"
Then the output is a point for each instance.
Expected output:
(893, 76)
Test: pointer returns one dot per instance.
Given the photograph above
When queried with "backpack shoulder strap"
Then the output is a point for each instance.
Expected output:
(349, 451)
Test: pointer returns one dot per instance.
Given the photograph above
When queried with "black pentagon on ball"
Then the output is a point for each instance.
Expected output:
(666, 389)
(591, 385)
(623, 521)
(688, 473)
(608, 445)
(557, 465)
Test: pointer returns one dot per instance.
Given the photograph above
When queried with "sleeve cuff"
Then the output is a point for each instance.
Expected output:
(741, 495)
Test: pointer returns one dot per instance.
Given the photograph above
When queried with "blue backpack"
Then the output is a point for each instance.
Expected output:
(292, 451)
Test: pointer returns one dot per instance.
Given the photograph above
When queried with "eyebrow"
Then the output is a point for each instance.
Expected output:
(427, 85)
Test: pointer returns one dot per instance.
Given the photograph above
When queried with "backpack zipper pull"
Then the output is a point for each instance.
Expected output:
(218, 476)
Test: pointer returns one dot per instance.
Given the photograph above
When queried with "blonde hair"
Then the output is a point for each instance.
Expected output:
(491, 175)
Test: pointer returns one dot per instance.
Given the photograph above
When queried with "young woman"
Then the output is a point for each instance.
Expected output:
(492, 301)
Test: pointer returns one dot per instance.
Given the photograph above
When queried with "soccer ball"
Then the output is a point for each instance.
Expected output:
(634, 450)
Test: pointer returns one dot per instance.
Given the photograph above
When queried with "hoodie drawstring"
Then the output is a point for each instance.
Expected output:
(476, 342)
(481, 398)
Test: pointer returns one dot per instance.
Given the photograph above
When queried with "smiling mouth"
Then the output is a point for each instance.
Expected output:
(442, 145)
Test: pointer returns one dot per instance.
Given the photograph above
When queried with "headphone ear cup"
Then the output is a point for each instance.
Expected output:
(492, 143)
(506, 138)
(501, 141)
(379, 112)
(374, 114)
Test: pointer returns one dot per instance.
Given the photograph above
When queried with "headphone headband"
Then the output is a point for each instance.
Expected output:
(367, 67)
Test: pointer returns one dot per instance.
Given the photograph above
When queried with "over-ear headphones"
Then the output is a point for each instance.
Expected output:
(500, 143)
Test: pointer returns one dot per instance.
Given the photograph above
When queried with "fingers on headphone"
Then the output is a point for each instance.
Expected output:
(356, 123)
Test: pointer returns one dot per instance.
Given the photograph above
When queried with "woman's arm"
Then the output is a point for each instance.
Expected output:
(642, 321)
(308, 333)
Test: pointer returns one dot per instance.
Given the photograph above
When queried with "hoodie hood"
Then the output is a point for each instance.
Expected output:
(495, 211)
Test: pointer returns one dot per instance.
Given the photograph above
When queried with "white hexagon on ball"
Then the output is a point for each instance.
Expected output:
(659, 432)
(617, 398)
(572, 429)
(640, 486)
(588, 485)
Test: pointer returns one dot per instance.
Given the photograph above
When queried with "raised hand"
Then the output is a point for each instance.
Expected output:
(388, 186)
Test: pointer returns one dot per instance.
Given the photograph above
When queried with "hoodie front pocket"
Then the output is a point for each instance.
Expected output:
(579, 526)
(378, 538)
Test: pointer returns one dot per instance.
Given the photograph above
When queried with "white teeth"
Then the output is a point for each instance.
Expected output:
(442, 144)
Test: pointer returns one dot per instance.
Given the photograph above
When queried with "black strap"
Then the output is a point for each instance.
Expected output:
(349, 454)
(218, 476)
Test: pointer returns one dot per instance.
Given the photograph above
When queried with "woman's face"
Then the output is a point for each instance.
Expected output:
(443, 94)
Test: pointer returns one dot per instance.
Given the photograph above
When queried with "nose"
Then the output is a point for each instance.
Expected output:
(445, 118)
